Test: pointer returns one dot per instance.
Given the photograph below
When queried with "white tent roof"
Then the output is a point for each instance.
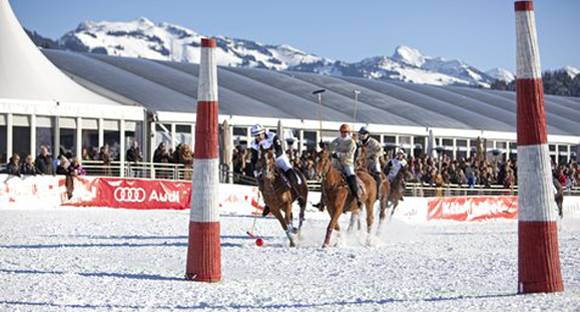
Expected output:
(27, 77)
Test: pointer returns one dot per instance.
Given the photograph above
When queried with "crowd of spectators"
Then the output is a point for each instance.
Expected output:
(45, 164)
(477, 170)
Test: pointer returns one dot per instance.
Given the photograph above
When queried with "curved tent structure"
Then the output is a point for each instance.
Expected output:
(32, 89)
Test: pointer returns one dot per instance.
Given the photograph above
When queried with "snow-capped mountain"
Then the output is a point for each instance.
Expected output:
(164, 41)
(501, 74)
(143, 38)
(572, 71)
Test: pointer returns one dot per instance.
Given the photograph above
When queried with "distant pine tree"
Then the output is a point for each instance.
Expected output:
(576, 86)
(555, 83)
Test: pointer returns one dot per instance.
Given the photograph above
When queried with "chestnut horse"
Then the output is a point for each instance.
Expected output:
(279, 196)
(337, 196)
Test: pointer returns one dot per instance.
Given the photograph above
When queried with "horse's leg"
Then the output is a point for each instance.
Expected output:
(335, 210)
(395, 204)
(331, 226)
(290, 218)
(302, 202)
(276, 212)
(370, 215)
(382, 214)
(354, 218)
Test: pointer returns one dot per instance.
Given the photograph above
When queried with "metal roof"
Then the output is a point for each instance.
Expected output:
(172, 87)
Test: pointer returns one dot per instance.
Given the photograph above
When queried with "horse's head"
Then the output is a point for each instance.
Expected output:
(404, 171)
(267, 161)
(321, 163)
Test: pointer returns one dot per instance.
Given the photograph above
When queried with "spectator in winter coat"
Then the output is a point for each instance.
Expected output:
(134, 154)
(105, 157)
(44, 162)
(28, 167)
(13, 167)
(62, 168)
(161, 154)
(186, 158)
(75, 169)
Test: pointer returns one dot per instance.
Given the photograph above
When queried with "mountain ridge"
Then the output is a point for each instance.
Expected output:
(166, 41)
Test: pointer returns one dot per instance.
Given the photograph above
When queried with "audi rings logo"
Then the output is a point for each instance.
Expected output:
(130, 195)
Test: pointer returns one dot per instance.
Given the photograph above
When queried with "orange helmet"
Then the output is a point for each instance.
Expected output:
(344, 128)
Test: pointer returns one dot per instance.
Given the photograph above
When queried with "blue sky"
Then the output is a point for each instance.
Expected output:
(480, 32)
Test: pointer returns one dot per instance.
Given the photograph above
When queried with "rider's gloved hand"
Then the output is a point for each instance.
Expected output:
(256, 173)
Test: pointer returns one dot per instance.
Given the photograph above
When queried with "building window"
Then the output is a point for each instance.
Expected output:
(390, 144)
(134, 132)
(310, 140)
(112, 137)
(513, 150)
(68, 129)
(90, 139)
(163, 134)
(44, 133)
(21, 136)
(419, 142)
(183, 134)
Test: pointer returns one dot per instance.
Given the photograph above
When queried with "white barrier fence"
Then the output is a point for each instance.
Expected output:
(49, 192)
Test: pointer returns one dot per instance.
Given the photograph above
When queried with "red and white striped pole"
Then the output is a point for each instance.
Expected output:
(204, 253)
(538, 257)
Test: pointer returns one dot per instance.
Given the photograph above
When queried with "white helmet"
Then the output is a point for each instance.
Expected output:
(401, 151)
(257, 129)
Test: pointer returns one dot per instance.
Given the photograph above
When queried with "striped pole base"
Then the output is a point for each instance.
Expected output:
(204, 249)
(538, 256)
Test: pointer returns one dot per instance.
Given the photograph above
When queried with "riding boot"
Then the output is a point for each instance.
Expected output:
(353, 185)
(266, 211)
(294, 181)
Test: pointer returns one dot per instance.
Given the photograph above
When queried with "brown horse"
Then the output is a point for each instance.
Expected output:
(279, 196)
(385, 188)
(337, 196)
(395, 195)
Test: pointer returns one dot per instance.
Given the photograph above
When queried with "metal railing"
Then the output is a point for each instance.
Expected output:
(172, 171)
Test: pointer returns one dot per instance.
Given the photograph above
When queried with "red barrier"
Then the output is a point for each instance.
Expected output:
(143, 194)
(472, 208)
(33, 192)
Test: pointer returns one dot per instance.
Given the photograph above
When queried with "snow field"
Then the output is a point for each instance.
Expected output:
(75, 259)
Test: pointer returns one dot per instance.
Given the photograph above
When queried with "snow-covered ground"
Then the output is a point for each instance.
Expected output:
(75, 259)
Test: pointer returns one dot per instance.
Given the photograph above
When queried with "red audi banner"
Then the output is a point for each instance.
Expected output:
(472, 208)
(143, 194)
(155, 194)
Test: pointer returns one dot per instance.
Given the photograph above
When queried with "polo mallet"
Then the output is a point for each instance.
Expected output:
(259, 241)
(319, 94)
(356, 94)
